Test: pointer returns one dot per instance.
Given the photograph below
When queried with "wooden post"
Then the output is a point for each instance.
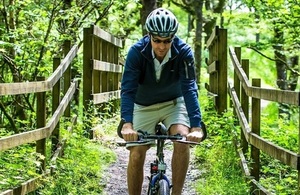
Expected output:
(245, 106)
(55, 103)
(87, 66)
(41, 122)
(87, 75)
(67, 75)
(222, 71)
(255, 152)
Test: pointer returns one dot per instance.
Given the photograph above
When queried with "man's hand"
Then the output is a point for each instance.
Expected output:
(196, 134)
(128, 133)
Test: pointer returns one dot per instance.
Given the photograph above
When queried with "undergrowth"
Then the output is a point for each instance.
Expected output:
(282, 131)
(217, 157)
(80, 171)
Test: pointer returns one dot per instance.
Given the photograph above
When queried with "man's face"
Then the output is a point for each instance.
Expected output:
(160, 45)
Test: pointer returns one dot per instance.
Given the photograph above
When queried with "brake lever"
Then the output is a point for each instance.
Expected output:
(184, 141)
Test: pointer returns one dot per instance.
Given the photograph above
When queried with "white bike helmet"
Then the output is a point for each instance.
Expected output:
(161, 22)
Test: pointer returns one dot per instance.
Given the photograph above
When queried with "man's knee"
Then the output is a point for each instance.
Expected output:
(138, 153)
(179, 128)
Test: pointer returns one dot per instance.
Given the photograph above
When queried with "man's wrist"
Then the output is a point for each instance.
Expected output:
(193, 129)
(127, 125)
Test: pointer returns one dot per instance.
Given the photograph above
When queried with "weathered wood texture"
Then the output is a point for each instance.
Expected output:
(101, 67)
(101, 76)
(239, 94)
(217, 68)
(39, 86)
(102, 71)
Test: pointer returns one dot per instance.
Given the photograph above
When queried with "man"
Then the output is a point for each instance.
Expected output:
(159, 85)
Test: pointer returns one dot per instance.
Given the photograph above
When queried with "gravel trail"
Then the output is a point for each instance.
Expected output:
(116, 183)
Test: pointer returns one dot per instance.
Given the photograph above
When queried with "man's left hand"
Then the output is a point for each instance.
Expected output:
(195, 135)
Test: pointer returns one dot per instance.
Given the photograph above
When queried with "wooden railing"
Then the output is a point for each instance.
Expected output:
(240, 92)
(101, 75)
(102, 70)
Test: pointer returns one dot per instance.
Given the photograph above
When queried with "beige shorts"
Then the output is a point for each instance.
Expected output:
(172, 112)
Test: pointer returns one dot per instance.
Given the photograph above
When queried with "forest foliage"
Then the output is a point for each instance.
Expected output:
(32, 32)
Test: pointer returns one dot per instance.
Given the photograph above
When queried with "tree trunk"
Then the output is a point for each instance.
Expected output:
(147, 7)
(293, 78)
(198, 39)
(281, 68)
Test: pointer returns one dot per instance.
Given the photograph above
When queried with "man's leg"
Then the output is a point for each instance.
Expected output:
(135, 169)
(180, 160)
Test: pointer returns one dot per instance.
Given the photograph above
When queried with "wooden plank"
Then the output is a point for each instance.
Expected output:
(64, 65)
(37, 134)
(106, 36)
(260, 189)
(238, 69)
(27, 186)
(23, 138)
(106, 96)
(212, 68)
(239, 111)
(62, 106)
(7, 192)
(39, 86)
(23, 88)
(213, 37)
(246, 171)
(288, 97)
(287, 157)
(107, 67)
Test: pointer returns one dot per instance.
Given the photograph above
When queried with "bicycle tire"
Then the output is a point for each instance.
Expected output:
(163, 187)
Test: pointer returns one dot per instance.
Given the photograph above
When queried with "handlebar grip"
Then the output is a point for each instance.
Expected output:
(119, 129)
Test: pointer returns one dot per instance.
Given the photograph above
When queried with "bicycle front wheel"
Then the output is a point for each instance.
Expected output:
(163, 188)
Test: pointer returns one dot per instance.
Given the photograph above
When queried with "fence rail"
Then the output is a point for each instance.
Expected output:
(240, 92)
(102, 70)
(101, 75)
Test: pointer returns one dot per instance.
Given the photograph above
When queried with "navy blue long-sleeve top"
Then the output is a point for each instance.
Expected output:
(140, 85)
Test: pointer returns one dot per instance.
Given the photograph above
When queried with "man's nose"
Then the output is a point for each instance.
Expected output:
(162, 45)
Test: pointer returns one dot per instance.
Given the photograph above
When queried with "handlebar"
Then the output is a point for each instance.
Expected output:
(161, 130)
(144, 138)
(160, 137)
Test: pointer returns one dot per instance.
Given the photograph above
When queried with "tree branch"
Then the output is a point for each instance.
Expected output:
(278, 59)
(10, 119)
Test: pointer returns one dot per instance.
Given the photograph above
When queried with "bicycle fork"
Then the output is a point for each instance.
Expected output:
(158, 170)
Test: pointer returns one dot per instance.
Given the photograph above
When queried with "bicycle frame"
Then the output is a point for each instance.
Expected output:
(161, 169)
(158, 167)
(158, 179)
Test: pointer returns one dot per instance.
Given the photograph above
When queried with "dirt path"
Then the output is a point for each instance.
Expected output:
(116, 174)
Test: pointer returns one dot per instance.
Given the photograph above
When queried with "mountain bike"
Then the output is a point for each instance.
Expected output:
(159, 183)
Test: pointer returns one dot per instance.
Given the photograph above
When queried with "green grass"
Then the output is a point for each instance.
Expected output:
(80, 169)
(217, 156)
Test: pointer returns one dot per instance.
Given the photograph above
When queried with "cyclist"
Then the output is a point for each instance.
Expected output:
(159, 85)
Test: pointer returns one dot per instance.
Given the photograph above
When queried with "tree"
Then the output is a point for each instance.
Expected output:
(202, 23)
(31, 33)
(283, 19)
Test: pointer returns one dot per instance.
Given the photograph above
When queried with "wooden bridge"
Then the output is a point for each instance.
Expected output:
(102, 73)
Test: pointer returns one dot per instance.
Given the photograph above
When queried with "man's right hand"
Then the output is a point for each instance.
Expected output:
(128, 133)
